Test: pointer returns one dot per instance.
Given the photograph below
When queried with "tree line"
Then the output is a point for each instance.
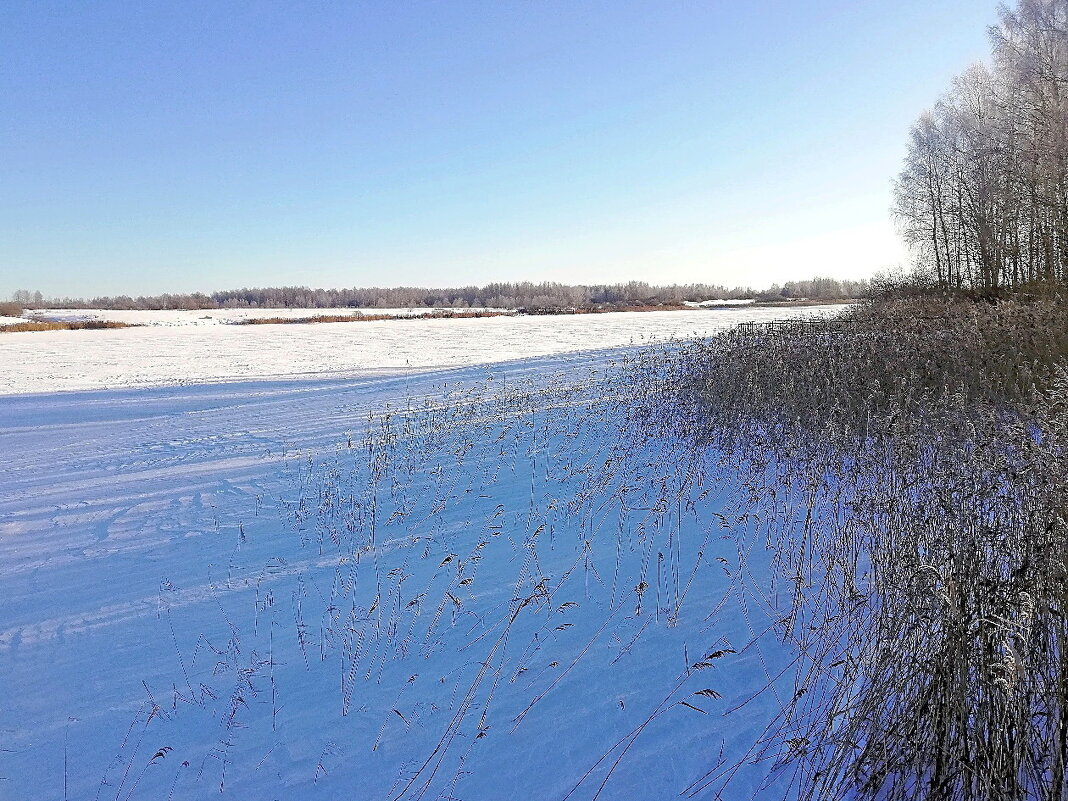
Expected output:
(982, 199)
(523, 294)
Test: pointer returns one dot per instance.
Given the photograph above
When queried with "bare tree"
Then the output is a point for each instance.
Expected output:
(982, 198)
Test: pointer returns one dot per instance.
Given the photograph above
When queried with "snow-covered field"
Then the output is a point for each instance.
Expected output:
(477, 582)
(166, 354)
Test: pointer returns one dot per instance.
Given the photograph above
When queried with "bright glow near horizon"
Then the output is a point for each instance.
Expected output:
(152, 148)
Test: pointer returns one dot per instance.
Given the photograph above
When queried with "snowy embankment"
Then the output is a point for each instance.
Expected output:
(476, 583)
(180, 354)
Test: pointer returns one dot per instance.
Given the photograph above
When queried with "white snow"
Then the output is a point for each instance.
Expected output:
(727, 302)
(473, 582)
(163, 354)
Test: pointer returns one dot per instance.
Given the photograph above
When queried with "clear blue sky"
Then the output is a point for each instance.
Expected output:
(178, 146)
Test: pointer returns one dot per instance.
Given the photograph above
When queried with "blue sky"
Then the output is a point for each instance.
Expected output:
(150, 146)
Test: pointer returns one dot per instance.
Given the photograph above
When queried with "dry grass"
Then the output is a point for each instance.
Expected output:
(923, 443)
(53, 325)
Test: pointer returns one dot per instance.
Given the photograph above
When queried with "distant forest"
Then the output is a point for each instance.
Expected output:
(525, 294)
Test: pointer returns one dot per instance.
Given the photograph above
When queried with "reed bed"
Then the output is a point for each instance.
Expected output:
(55, 325)
(929, 551)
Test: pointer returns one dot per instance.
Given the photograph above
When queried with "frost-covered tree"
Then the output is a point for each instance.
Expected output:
(982, 198)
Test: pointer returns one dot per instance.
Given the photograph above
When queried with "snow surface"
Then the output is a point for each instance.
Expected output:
(228, 588)
(726, 302)
(165, 354)
(477, 582)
